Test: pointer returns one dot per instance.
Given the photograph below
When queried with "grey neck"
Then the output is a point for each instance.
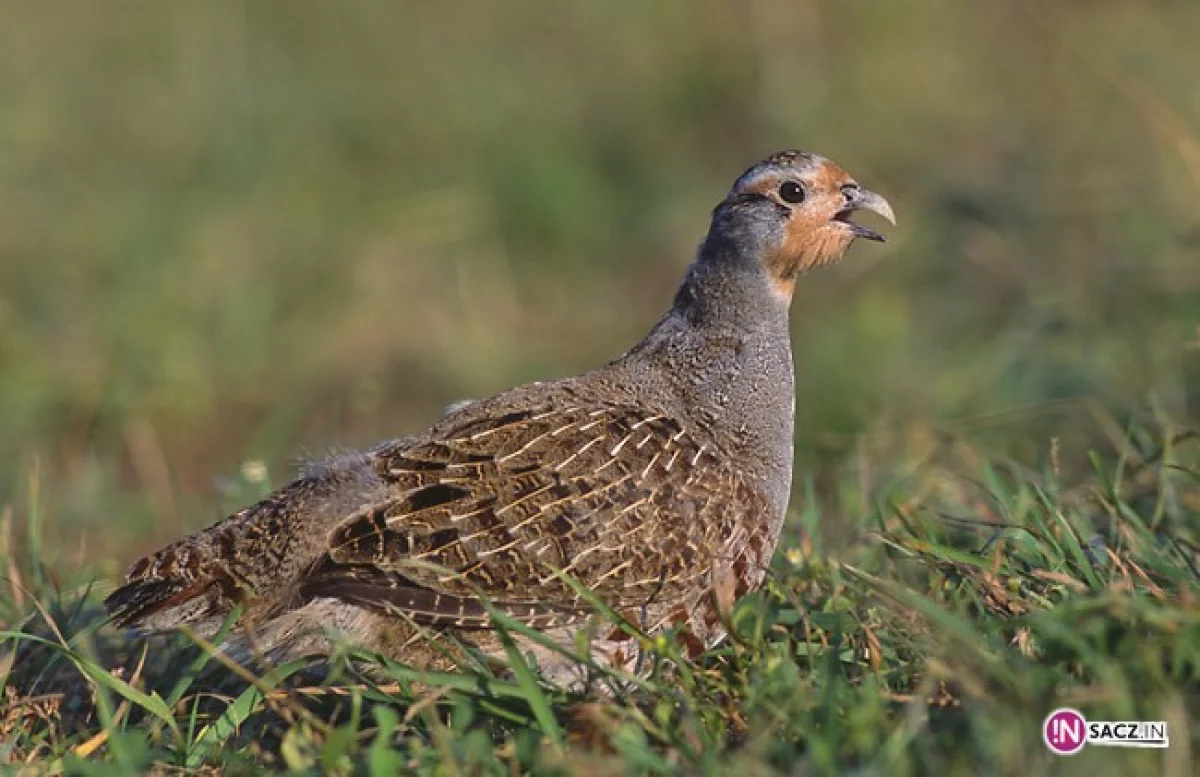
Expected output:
(723, 352)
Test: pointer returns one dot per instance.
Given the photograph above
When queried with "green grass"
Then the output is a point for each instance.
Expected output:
(976, 596)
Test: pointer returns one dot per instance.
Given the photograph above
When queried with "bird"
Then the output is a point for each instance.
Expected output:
(656, 484)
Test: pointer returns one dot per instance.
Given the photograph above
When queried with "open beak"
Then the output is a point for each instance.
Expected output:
(864, 199)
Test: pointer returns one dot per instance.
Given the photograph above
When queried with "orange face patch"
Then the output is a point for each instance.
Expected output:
(811, 236)
(805, 247)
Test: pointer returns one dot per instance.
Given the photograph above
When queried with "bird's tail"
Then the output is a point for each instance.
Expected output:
(254, 558)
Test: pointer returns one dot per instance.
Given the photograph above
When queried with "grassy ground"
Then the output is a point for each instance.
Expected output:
(979, 596)
(234, 233)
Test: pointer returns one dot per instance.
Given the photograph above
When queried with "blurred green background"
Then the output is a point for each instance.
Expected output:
(253, 232)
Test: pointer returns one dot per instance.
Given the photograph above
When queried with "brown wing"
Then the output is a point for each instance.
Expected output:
(491, 502)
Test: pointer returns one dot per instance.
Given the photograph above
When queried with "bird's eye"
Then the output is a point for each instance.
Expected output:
(791, 192)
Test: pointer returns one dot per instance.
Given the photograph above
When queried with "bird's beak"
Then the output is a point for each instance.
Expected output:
(864, 199)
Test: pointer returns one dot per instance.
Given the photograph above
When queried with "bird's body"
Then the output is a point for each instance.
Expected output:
(658, 481)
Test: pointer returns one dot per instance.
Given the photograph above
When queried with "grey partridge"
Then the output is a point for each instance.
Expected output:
(659, 481)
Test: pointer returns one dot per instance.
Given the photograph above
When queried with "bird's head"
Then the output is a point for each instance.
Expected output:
(791, 212)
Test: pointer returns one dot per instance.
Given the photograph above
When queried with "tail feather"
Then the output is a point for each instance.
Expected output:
(255, 557)
(158, 604)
